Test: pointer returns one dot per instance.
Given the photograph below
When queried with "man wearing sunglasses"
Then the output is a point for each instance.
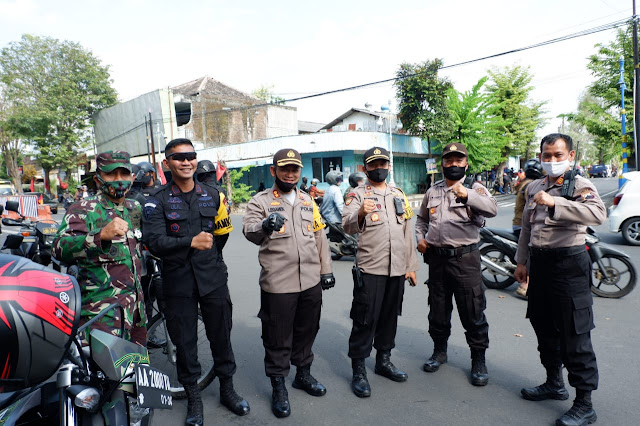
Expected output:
(179, 226)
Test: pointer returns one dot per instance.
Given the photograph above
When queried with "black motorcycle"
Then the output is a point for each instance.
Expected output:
(340, 243)
(35, 239)
(614, 275)
(50, 377)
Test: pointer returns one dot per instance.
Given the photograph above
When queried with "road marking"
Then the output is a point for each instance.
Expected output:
(608, 193)
(506, 204)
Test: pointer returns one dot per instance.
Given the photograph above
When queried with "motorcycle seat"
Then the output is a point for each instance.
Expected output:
(504, 233)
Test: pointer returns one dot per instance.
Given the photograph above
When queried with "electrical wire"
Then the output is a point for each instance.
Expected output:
(583, 33)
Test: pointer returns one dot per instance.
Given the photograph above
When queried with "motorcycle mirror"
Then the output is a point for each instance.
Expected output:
(13, 206)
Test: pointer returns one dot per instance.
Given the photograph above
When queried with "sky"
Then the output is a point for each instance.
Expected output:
(302, 48)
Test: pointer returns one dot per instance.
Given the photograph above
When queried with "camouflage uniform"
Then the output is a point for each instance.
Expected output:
(109, 271)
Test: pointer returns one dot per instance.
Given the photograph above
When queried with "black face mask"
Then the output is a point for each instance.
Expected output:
(377, 175)
(284, 186)
(454, 172)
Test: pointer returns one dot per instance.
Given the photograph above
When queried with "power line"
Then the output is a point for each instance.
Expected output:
(583, 33)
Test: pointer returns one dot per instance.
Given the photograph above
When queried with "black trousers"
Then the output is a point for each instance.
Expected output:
(182, 323)
(560, 311)
(374, 311)
(290, 323)
(460, 278)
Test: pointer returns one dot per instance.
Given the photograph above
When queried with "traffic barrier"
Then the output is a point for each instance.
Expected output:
(29, 206)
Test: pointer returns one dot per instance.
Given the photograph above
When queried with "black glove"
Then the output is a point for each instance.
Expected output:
(327, 281)
(273, 223)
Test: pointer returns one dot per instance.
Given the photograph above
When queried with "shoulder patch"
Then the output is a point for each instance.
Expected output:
(149, 207)
(481, 191)
(587, 194)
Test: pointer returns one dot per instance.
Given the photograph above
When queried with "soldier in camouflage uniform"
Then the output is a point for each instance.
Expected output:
(101, 234)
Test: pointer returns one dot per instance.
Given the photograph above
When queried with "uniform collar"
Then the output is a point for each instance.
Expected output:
(175, 189)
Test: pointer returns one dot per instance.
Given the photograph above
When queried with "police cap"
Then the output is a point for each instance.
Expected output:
(375, 153)
(287, 156)
(455, 148)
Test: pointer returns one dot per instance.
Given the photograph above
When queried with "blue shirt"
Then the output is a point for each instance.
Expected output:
(332, 205)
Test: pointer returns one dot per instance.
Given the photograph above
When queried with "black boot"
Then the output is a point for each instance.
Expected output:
(581, 413)
(385, 367)
(439, 356)
(230, 399)
(305, 381)
(479, 374)
(279, 398)
(359, 383)
(553, 388)
(194, 405)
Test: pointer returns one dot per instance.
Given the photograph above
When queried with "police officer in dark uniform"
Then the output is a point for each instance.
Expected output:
(552, 239)
(206, 173)
(447, 230)
(179, 226)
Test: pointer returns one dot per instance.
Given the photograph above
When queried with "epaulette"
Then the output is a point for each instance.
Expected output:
(438, 182)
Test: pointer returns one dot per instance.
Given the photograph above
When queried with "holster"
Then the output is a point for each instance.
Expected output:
(357, 276)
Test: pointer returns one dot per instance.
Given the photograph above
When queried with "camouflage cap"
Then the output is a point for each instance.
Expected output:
(455, 148)
(287, 156)
(111, 160)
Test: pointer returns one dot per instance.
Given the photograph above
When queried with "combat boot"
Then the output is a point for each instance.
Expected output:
(581, 413)
(479, 374)
(195, 415)
(385, 367)
(305, 381)
(438, 358)
(359, 383)
(279, 398)
(553, 388)
(230, 399)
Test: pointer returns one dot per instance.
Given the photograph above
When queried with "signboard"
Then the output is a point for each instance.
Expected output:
(431, 166)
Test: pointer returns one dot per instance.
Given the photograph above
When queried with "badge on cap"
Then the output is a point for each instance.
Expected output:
(375, 217)
(377, 151)
(290, 154)
(453, 148)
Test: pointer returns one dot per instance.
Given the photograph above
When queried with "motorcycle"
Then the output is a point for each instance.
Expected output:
(49, 377)
(340, 243)
(35, 239)
(613, 275)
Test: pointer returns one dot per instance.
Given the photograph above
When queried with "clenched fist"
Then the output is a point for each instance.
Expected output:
(273, 223)
(367, 207)
(116, 228)
(544, 199)
(459, 191)
(202, 241)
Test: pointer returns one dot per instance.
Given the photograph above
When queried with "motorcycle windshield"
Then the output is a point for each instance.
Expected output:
(114, 354)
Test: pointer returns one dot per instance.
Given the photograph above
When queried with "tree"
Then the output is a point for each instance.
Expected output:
(477, 125)
(511, 88)
(55, 87)
(602, 123)
(241, 191)
(422, 101)
(265, 93)
(29, 172)
(10, 143)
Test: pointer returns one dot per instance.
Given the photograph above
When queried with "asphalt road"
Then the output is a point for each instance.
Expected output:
(442, 398)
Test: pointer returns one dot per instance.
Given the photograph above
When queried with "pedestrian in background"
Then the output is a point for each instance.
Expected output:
(386, 257)
(552, 239)
(447, 230)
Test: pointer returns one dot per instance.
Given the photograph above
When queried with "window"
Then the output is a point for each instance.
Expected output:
(316, 165)
(330, 163)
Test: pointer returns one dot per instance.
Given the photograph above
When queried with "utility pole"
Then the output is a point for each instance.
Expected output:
(636, 87)
(153, 147)
(625, 167)
(146, 131)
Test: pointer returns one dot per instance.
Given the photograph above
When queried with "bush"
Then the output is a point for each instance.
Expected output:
(241, 192)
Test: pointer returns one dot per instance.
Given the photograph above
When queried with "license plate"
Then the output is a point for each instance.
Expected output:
(29, 240)
(153, 387)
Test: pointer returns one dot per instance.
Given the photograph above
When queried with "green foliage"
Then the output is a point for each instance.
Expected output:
(422, 100)
(478, 126)
(265, 94)
(54, 87)
(602, 124)
(240, 192)
(510, 88)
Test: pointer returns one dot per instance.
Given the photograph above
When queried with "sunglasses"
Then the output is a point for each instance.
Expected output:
(181, 156)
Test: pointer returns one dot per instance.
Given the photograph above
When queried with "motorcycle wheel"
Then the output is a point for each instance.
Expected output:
(160, 358)
(491, 280)
(622, 277)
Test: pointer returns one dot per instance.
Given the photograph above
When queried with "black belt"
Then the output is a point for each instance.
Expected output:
(559, 251)
(453, 251)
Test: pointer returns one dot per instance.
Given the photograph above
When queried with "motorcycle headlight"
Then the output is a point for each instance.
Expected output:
(49, 239)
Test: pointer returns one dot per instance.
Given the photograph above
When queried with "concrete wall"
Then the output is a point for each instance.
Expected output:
(281, 121)
(113, 126)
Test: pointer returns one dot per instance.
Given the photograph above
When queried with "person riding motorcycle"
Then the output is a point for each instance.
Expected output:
(332, 202)
(316, 193)
(355, 180)
(532, 171)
